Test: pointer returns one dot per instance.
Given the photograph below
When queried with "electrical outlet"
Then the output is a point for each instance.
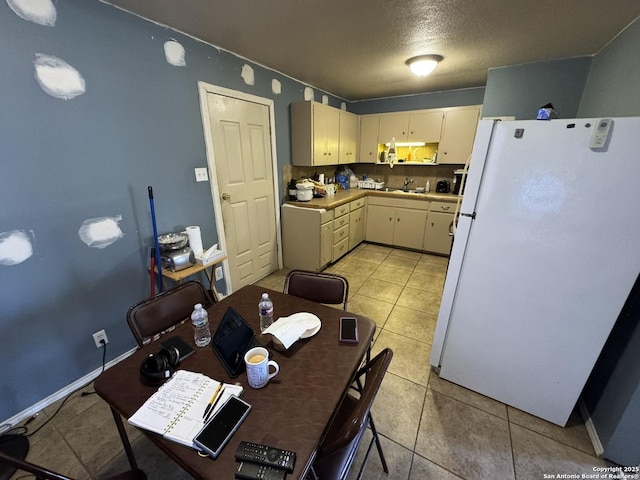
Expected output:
(218, 273)
(201, 175)
(99, 336)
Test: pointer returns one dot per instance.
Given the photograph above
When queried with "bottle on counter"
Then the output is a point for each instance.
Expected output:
(265, 310)
(200, 321)
(427, 187)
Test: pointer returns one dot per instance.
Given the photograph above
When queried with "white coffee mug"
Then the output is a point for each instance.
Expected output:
(258, 363)
(330, 189)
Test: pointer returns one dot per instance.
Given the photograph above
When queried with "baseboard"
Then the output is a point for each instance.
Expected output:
(42, 404)
(591, 428)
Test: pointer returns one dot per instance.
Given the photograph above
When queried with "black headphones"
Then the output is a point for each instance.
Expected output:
(159, 366)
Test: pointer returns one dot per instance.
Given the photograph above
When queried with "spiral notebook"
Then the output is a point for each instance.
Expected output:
(176, 410)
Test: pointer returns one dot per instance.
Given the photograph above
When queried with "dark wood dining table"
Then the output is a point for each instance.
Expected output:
(295, 409)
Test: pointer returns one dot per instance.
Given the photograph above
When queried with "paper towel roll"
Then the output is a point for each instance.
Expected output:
(195, 239)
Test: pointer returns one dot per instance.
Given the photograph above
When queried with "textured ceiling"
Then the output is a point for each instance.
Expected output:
(357, 49)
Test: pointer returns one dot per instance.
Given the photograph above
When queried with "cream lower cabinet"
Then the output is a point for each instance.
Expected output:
(408, 230)
(437, 238)
(340, 231)
(307, 237)
(396, 222)
(357, 221)
(380, 222)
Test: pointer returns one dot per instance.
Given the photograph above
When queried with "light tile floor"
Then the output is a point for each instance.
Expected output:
(430, 428)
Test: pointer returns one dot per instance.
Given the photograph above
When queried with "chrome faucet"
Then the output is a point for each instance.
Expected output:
(406, 183)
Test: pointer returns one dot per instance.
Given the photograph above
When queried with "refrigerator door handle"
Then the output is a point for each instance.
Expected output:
(472, 215)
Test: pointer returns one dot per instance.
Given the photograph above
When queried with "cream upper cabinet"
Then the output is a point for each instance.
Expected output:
(420, 126)
(368, 147)
(393, 125)
(315, 133)
(425, 126)
(347, 150)
(458, 134)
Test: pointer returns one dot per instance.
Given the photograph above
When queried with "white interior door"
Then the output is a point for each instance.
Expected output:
(240, 151)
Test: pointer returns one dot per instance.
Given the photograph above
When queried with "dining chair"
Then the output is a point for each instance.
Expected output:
(339, 448)
(154, 316)
(42, 473)
(327, 288)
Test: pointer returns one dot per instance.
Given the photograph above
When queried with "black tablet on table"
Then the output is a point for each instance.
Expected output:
(231, 340)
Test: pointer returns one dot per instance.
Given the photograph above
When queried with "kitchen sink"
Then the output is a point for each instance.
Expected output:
(400, 190)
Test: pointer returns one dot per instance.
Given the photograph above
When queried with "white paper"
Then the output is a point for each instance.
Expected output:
(195, 239)
(289, 329)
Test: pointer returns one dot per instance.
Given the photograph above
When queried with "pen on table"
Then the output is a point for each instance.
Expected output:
(210, 405)
(214, 405)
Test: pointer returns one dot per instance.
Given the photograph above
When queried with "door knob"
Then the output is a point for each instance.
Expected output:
(226, 196)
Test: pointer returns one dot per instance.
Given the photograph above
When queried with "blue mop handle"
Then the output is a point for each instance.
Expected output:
(155, 241)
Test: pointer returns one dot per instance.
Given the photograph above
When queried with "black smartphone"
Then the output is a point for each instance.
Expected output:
(348, 330)
(224, 423)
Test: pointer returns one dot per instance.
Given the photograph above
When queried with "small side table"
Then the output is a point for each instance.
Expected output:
(180, 275)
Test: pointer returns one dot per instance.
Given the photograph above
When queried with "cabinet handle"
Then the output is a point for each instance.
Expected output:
(445, 207)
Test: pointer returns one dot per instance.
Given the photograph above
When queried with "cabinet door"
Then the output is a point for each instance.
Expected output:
(436, 235)
(425, 126)
(368, 148)
(393, 125)
(348, 138)
(458, 134)
(408, 230)
(326, 244)
(333, 134)
(320, 133)
(356, 227)
(380, 224)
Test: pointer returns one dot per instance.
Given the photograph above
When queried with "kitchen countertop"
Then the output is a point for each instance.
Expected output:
(346, 196)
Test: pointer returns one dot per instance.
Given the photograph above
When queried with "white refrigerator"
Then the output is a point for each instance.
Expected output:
(546, 251)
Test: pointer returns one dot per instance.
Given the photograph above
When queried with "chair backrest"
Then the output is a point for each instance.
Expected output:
(320, 287)
(354, 420)
(154, 315)
(45, 473)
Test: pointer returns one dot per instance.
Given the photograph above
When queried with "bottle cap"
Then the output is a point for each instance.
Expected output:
(197, 306)
(265, 295)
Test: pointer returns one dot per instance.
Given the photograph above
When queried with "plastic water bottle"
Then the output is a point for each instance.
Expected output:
(265, 310)
(200, 320)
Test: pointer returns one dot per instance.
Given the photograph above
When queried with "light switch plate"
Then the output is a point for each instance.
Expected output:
(201, 175)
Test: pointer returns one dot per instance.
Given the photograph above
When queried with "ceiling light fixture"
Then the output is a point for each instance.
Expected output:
(423, 65)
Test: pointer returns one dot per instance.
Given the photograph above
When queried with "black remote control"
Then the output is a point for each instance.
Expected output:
(255, 471)
(265, 455)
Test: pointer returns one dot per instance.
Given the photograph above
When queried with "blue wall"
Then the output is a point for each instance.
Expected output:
(66, 161)
(612, 87)
(520, 90)
(452, 98)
